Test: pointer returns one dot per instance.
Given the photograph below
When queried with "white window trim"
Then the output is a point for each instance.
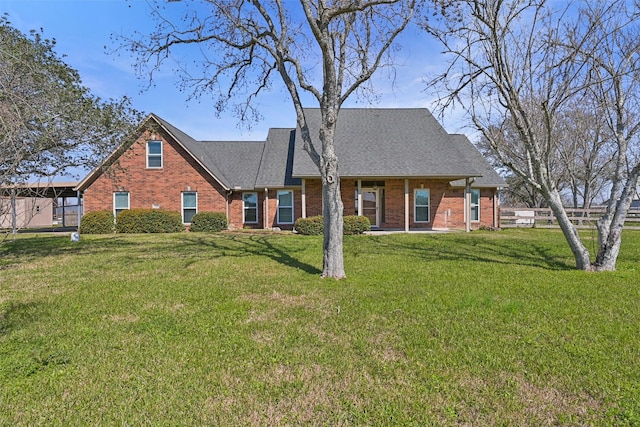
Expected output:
(278, 206)
(128, 202)
(161, 155)
(478, 205)
(244, 208)
(415, 206)
(189, 207)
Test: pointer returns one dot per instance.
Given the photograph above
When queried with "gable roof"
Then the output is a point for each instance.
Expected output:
(388, 143)
(234, 164)
(236, 161)
(277, 160)
(369, 143)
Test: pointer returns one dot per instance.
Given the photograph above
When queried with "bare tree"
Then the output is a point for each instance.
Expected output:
(519, 65)
(582, 161)
(586, 152)
(49, 122)
(328, 49)
(611, 53)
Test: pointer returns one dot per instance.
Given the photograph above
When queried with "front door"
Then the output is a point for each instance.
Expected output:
(370, 205)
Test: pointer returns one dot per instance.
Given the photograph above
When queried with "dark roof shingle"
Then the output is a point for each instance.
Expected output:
(369, 142)
(387, 143)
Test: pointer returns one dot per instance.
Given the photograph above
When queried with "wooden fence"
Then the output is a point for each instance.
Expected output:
(544, 218)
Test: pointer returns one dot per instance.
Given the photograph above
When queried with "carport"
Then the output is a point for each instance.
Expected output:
(41, 205)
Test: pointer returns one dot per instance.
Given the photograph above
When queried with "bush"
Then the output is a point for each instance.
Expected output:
(355, 224)
(209, 222)
(97, 222)
(314, 225)
(148, 221)
(311, 226)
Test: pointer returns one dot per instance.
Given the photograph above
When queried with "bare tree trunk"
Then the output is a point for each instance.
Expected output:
(580, 252)
(332, 207)
(611, 224)
(332, 210)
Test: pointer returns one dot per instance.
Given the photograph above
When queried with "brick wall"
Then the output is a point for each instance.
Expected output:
(446, 203)
(161, 188)
(267, 206)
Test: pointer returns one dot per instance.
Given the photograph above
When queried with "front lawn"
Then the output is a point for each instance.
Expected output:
(486, 328)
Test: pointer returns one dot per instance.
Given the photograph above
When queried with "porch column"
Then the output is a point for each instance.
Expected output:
(360, 197)
(226, 205)
(64, 211)
(304, 198)
(265, 221)
(496, 209)
(80, 207)
(467, 205)
(406, 205)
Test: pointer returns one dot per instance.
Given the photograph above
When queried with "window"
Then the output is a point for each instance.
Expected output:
(285, 207)
(475, 205)
(154, 154)
(120, 202)
(189, 206)
(250, 208)
(421, 205)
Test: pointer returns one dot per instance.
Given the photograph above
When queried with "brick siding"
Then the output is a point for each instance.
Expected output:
(155, 188)
(446, 203)
(163, 187)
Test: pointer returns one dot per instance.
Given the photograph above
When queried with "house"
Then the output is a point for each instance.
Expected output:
(398, 167)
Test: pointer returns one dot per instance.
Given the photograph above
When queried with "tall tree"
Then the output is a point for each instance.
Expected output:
(611, 53)
(519, 65)
(245, 43)
(586, 152)
(582, 161)
(49, 122)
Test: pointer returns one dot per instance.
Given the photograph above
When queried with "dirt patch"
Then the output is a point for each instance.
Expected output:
(525, 403)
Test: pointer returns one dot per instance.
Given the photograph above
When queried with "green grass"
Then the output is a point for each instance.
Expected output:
(238, 329)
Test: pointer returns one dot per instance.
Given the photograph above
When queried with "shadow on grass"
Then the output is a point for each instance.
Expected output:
(16, 315)
(38, 248)
(464, 247)
(191, 247)
(254, 245)
(525, 250)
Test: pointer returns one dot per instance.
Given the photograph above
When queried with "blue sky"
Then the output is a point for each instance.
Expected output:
(83, 31)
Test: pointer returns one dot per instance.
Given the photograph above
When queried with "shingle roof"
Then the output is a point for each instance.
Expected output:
(489, 178)
(238, 161)
(388, 143)
(234, 163)
(369, 143)
(277, 160)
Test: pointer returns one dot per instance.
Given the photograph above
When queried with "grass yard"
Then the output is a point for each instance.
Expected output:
(486, 328)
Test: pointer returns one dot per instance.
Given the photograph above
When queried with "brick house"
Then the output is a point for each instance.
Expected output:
(398, 167)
